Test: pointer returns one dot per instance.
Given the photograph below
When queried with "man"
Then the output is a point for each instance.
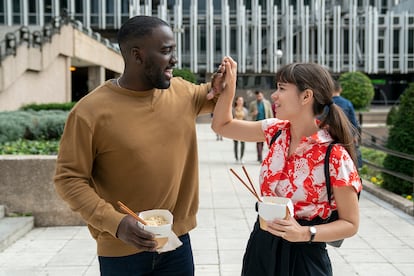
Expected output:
(348, 108)
(133, 140)
(260, 109)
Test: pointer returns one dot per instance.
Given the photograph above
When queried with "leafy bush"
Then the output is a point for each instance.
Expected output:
(358, 88)
(46, 125)
(13, 125)
(373, 156)
(49, 106)
(32, 125)
(391, 115)
(401, 139)
(30, 147)
(185, 74)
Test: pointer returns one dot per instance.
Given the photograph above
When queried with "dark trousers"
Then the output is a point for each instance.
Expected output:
(259, 147)
(236, 149)
(178, 262)
(269, 255)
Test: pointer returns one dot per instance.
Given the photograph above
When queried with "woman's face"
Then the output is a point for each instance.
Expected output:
(287, 101)
(240, 101)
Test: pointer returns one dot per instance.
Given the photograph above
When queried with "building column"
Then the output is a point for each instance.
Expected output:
(68, 80)
(96, 76)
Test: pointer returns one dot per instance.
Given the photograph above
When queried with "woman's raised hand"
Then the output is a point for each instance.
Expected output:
(217, 81)
(230, 76)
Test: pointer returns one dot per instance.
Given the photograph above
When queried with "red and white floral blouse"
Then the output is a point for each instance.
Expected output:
(301, 176)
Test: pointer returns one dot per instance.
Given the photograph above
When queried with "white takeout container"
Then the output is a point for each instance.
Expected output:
(161, 232)
(273, 207)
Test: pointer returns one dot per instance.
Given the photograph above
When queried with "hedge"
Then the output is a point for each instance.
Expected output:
(32, 125)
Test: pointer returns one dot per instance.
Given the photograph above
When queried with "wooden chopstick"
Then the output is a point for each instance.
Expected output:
(248, 188)
(250, 181)
(129, 211)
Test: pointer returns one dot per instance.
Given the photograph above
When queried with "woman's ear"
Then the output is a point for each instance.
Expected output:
(307, 96)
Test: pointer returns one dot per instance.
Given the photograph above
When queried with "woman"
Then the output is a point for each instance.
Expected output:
(294, 168)
(240, 112)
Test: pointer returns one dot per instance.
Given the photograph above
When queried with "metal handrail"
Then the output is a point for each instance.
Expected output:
(382, 169)
(371, 143)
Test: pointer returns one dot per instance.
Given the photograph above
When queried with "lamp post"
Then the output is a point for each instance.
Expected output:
(25, 35)
(279, 55)
(37, 39)
(11, 44)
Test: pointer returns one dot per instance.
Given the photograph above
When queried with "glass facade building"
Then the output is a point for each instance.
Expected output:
(372, 36)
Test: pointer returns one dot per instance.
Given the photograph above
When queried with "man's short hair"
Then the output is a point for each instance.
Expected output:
(136, 28)
(337, 86)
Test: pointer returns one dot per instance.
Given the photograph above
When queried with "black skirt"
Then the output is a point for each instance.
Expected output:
(269, 255)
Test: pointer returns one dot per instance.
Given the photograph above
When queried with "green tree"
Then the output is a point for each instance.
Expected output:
(357, 88)
(391, 115)
(401, 139)
(185, 74)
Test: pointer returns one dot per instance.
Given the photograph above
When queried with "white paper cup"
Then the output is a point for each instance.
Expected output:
(272, 208)
(161, 232)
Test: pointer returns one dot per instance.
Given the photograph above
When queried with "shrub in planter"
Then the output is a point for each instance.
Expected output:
(185, 74)
(49, 106)
(401, 139)
(357, 88)
(13, 125)
(46, 125)
(36, 147)
(32, 125)
(391, 115)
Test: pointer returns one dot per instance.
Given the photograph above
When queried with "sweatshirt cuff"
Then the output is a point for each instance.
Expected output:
(112, 221)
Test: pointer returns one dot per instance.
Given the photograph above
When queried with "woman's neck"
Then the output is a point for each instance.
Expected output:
(303, 128)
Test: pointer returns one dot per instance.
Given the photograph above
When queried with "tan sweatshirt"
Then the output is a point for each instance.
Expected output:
(136, 147)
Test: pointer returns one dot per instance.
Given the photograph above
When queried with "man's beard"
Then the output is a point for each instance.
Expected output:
(158, 80)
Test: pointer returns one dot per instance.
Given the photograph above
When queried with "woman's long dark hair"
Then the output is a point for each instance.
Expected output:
(316, 78)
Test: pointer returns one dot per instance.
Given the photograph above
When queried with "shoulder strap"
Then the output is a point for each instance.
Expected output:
(326, 169)
(277, 134)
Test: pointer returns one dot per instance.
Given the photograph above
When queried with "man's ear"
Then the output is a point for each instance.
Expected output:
(136, 54)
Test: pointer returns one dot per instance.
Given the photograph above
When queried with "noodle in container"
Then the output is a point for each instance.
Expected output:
(159, 222)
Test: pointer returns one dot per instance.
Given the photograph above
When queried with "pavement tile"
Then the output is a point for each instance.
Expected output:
(377, 269)
(234, 257)
(205, 257)
(361, 255)
(402, 255)
(230, 269)
(207, 270)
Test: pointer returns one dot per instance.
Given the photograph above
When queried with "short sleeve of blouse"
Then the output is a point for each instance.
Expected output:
(342, 169)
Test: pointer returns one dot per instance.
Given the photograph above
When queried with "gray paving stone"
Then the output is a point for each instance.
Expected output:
(13, 228)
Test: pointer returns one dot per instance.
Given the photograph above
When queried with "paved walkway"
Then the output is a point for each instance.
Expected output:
(383, 246)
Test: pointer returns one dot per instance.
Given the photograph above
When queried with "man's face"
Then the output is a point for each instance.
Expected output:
(259, 96)
(159, 57)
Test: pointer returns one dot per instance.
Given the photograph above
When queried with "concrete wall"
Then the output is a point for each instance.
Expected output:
(50, 85)
(42, 75)
(26, 186)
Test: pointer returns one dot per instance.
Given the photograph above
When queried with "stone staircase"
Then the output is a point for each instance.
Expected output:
(13, 228)
(374, 123)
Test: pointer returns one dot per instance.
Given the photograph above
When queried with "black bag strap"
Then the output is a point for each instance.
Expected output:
(277, 134)
(326, 164)
(326, 169)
